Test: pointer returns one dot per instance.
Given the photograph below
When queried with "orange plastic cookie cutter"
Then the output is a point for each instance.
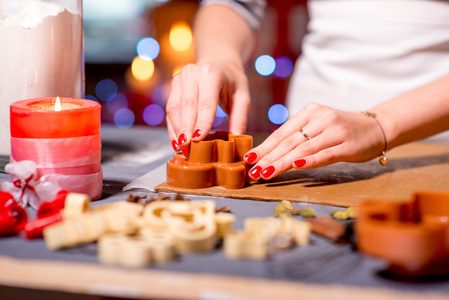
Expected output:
(413, 236)
(217, 160)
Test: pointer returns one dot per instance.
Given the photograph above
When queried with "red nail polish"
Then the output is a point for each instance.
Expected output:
(300, 163)
(174, 145)
(250, 157)
(255, 172)
(185, 152)
(197, 133)
(182, 139)
(267, 172)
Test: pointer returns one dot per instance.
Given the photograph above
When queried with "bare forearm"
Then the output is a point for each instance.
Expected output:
(222, 35)
(223, 43)
(417, 114)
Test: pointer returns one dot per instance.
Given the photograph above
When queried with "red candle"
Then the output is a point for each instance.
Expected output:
(37, 118)
(62, 138)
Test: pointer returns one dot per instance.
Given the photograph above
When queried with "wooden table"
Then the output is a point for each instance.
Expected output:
(321, 271)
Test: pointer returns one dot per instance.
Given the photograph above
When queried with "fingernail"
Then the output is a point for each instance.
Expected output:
(182, 139)
(185, 152)
(174, 145)
(300, 163)
(255, 172)
(267, 172)
(250, 157)
(197, 133)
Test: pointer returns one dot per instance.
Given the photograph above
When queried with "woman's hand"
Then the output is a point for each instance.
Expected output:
(334, 136)
(194, 96)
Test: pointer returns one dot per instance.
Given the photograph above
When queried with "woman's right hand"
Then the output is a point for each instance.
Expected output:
(194, 95)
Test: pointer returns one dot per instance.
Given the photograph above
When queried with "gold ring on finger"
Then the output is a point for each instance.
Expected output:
(306, 136)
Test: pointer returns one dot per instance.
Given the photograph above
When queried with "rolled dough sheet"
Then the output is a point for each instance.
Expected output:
(412, 167)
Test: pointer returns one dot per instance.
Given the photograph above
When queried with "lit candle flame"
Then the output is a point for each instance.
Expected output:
(58, 104)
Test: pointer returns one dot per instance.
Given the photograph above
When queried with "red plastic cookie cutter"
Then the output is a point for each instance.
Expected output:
(217, 160)
(413, 235)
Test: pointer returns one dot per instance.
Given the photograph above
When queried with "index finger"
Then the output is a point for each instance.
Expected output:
(189, 103)
(210, 84)
(241, 104)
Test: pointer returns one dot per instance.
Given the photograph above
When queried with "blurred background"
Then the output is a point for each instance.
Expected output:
(134, 47)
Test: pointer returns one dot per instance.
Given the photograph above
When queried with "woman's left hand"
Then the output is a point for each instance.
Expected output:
(329, 136)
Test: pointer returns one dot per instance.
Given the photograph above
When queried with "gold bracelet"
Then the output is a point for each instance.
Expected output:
(383, 160)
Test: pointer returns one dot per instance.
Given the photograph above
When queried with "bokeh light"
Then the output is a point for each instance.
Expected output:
(148, 48)
(153, 114)
(180, 36)
(217, 122)
(278, 114)
(91, 97)
(284, 66)
(265, 65)
(124, 118)
(220, 113)
(142, 69)
(105, 89)
(160, 94)
(117, 102)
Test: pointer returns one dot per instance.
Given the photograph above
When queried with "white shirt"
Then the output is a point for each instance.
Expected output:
(358, 53)
(361, 52)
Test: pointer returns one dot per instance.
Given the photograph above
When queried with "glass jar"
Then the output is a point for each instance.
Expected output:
(41, 54)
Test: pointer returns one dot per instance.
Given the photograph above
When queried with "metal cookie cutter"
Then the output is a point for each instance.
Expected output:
(413, 235)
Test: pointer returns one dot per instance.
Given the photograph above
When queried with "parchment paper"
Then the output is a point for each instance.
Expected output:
(412, 167)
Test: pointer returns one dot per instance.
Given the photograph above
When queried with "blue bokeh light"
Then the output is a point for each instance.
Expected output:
(159, 95)
(220, 113)
(153, 114)
(124, 118)
(284, 66)
(148, 48)
(90, 97)
(217, 122)
(116, 102)
(265, 65)
(106, 89)
(278, 114)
